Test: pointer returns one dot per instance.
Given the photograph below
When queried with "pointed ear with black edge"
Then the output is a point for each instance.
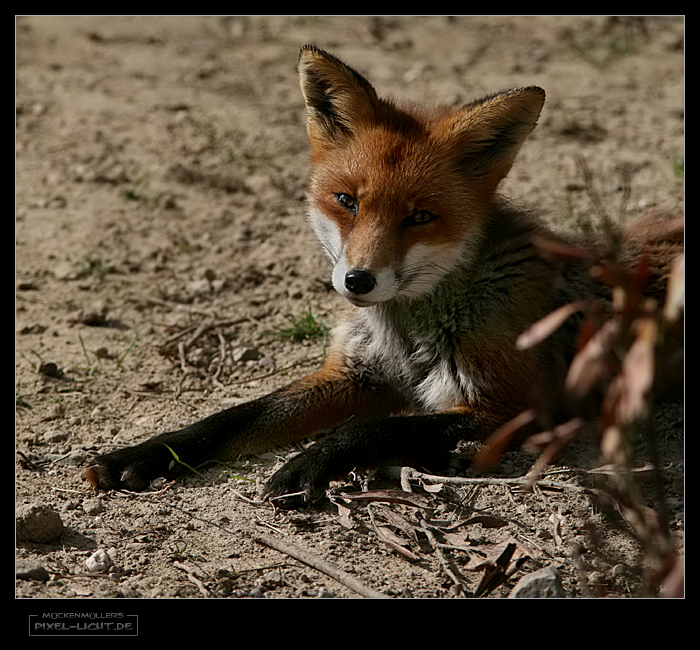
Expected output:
(337, 97)
(487, 134)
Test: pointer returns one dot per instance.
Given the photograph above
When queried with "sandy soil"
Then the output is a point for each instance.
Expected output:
(161, 170)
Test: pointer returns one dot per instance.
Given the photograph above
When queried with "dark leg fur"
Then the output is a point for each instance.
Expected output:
(417, 440)
(317, 403)
(134, 467)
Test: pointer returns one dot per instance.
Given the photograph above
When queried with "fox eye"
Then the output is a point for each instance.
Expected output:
(421, 217)
(347, 201)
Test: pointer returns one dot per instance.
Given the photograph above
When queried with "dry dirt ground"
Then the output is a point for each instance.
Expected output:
(160, 241)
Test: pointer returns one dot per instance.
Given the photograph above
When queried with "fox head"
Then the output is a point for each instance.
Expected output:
(398, 193)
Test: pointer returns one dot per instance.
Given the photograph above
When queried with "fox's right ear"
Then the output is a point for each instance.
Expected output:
(337, 97)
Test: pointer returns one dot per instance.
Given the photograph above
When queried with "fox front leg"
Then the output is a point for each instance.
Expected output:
(417, 440)
(300, 410)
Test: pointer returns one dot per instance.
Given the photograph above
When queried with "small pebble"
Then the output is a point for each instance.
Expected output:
(99, 562)
(544, 583)
(50, 369)
(245, 353)
(55, 435)
(38, 522)
(93, 507)
(31, 571)
(323, 592)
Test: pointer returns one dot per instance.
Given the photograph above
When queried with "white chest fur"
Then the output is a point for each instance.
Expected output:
(415, 348)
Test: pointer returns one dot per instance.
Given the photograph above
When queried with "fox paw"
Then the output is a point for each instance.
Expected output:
(298, 482)
(126, 469)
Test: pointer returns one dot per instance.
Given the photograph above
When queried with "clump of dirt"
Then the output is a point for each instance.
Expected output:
(161, 247)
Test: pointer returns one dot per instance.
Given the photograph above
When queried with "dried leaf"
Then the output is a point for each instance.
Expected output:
(612, 446)
(612, 470)
(675, 298)
(400, 522)
(645, 522)
(385, 535)
(500, 440)
(388, 496)
(343, 514)
(557, 520)
(555, 440)
(457, 540)
(433, 488)
(487, 521)
(486, 555)
(673, 585)
(560, 435)
(544, 327)
(609, 274)
(498, 572)
(637, 376)
(592, 365)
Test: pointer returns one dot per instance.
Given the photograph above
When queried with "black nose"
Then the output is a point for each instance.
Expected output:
(359, 281)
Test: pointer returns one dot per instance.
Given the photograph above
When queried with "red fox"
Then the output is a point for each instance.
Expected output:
(442, 276)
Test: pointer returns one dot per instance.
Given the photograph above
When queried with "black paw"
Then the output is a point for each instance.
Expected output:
(132, 468)
(301, 481)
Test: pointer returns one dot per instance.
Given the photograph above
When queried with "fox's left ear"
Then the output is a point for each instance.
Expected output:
(487, 134)
(337, 97)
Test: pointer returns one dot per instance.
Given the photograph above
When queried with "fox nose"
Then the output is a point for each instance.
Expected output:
(359, 281)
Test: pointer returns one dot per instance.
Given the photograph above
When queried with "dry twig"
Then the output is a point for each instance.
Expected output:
(351, 582)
